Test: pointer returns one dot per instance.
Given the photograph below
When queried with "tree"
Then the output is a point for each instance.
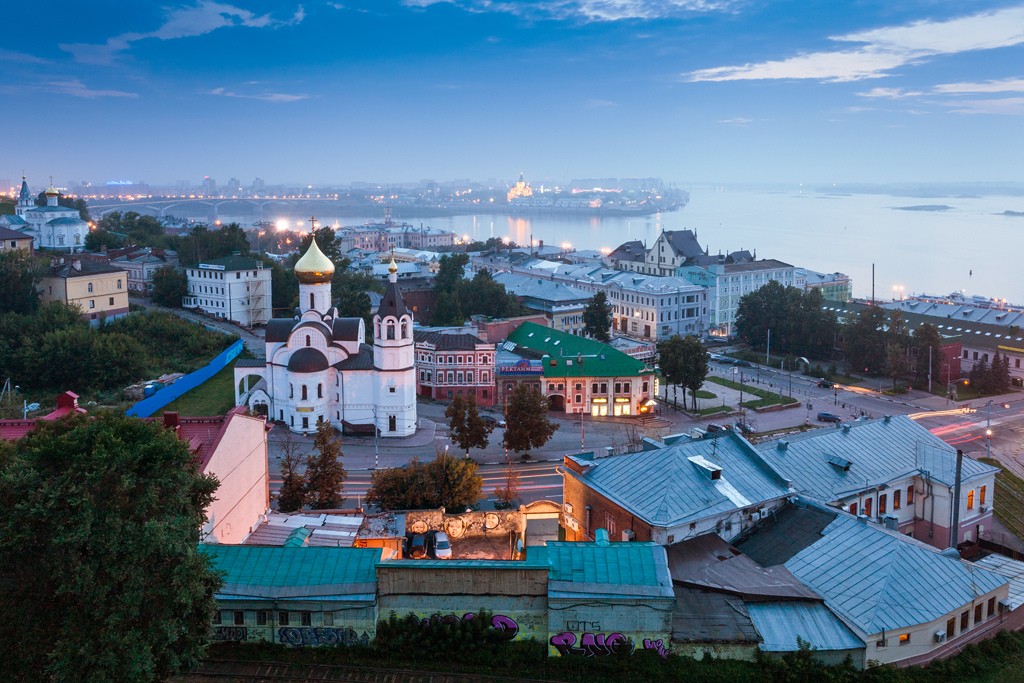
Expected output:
(693, 366)
(527, 417)
(292, 495)
(452, 483)
(203, 244)
(117, 229)
(597, 318)
(169, 287)
(467, 428)
(671, 355)
(927, 349)
(100, 536)
(508, 495)
(797, 320)
(19, 280)
(325, 475)
(865, 343)
(447, 310)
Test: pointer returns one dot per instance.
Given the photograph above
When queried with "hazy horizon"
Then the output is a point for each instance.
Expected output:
(736, 91)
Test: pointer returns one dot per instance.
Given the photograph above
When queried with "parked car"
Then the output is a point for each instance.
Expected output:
(744, 428)
(492, 421)
(442, 547)
(418, 547)
(829, 417)
(824, 383)
(712, 427)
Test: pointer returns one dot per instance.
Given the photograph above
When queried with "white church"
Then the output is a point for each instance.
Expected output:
(51, 226)
(320, 367)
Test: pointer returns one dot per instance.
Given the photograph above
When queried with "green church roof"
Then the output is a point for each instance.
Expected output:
(567, 355)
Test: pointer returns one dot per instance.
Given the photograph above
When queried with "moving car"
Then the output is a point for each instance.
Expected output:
(829, 417)
(824, 383)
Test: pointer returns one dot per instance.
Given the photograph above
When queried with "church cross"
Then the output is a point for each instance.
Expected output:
(312, 223)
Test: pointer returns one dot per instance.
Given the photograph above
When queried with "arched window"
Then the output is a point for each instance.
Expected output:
(305, 395)
(377, 331)
(291, 390)
(309, 340)
(391, 331)
(311, 300)
(319, 390)
(405, 329)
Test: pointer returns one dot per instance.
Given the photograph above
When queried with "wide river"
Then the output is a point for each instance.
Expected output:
(969, 245)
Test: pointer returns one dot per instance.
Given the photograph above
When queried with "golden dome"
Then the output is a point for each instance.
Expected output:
(52, 192)
(392, 267)
(314, 268)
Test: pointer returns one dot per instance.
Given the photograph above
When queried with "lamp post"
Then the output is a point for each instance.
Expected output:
(988, 429)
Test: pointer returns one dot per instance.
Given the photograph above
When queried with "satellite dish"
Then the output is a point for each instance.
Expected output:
(32, 406)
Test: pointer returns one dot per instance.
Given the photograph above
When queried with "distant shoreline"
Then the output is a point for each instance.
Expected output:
(924, 207)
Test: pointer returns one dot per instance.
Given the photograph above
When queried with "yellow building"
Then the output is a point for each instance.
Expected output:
(99, 289)
(12, 240)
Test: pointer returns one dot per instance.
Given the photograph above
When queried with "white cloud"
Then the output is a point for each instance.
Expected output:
(890, 93)
(21, 57)
(885, 49)
(1006, 85)
(76, 88)
(585, 10)
(204, 17)
(736, 121)
(1008, 106)
(265, 97)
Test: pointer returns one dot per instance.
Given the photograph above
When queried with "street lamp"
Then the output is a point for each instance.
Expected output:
(988, 429)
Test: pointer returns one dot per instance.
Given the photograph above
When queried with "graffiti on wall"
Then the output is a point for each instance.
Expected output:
(506, 626)
(233, 634)
(601, 644)
(290, 635)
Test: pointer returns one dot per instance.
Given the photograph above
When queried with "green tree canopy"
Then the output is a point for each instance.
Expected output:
(204, 244)
(671, 363)
(527, 418)
(693, 366)
(798, 322)
(99, 553)
(325, 475)
(467, 428)
(597, 318)
(169, 287)
(452, 483)
(865, 340)
(117, 229)
(19, 282)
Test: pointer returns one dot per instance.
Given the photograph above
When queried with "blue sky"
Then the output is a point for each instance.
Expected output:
(724, 91)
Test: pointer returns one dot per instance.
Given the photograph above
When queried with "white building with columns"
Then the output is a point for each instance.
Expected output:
(321, 367)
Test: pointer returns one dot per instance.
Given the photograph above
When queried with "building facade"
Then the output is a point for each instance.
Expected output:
(320, 367)
(51, 226)
(13, 240)
(235, 288)
(99, 290)
(450, 363)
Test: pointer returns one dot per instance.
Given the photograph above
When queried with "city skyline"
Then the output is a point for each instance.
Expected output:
(732, 91)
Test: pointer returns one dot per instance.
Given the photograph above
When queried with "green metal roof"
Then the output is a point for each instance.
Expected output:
(567, 355)
(233, 262)
(293, 567)
(624, 564)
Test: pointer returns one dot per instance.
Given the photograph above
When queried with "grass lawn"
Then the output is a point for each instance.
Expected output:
(704, 394)
(215, 396)
(713, 410)
(1009, 508)
(764, 398)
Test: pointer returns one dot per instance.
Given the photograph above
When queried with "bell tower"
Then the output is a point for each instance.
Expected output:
(394, 362)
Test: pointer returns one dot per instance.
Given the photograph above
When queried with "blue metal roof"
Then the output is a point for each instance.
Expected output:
(880, 580)
(831, 463)
(666, 488)
(781, 623)
(294, 571)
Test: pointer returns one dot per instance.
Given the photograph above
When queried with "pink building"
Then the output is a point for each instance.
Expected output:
(456, 363)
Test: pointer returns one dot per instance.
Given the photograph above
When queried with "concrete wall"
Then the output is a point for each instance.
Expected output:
(240, 464)
(606, 626)
(330, 622)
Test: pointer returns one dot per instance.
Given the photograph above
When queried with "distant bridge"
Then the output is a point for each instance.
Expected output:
(259, 209)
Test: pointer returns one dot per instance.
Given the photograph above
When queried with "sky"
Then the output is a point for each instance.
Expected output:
(721, 91)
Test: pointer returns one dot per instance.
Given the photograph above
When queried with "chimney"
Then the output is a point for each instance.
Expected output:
(76, 263)
(171, 419)
(782, 446)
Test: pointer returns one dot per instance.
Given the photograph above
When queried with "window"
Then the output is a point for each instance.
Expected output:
(305, 393)
(291, 390)
(305, 423)
(239, 618)
(309, 340)
(965, 620)
(904, 638)
(853, 508)
(970, 499)
(883, 500)
(282, 618)
(991, 607)
(981, 495)
(261, 617)
(390, 331)
(579, 387)
(328, 618)
(217, 619)
(950, 627)
(867, 507)
(90, 288)
(319, 390)
(92, 303)
(405, 330)
(977, 613)
(896, 499)
(593, 388)
(910, 495)
(307, 618)
(111, 301)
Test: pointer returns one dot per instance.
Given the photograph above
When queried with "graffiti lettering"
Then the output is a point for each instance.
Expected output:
(230, 633)
(582, 626)
(321, 636)
(656, 645)
(592, 644)
(506, 626)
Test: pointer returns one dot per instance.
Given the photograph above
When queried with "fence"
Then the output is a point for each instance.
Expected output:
(148, 406)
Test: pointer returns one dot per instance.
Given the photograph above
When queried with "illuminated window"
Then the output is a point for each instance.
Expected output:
(904, 638)
(970, 499)
(882, 502)
(867, 507)
(910, 495)
(981, 496)
(853, 508)
(896, 499)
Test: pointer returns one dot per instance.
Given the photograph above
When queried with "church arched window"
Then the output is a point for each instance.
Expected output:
(291, 390)
(309, 340)
(311, 300)
(391, 331)
(305, 393)
(405, 329)
(377, 331)
(319, 390)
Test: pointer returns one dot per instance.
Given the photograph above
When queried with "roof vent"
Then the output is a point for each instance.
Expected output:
(601, 536)
(839, 463)
(782, 446)
(863, 519)
(887, 419)
(713, 471)
(846, 429)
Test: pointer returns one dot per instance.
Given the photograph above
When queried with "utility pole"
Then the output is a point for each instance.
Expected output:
(929, 369)
(768, 349)
(988, 429)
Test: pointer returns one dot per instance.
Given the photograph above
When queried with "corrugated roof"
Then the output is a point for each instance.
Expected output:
(233, 262)
(1011, 569)
(705, 617)
(665, 489)
(448, 341)
(570, 356)
(879, 580)
(258, 567)
(596, 569)
(878, 451)
(782, 623)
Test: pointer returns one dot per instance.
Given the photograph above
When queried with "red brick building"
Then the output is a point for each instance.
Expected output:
(454, 363)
